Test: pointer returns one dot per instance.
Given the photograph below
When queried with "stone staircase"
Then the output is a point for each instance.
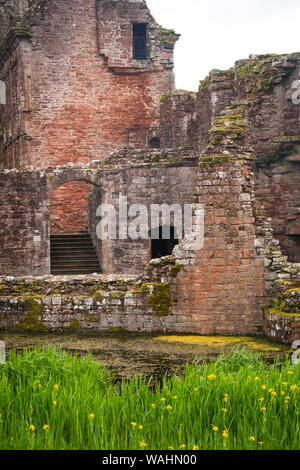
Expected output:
(73, 254)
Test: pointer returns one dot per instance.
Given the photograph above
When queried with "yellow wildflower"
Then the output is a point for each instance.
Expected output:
(91, 416)
(252, 438)
(274, 394)
(171, 448)
(260, 443)
(169, 407)
(163, 399)
(196, 389)
(257, 379)
(55, 387)
(225, 433)
(263, 387)
(133, 424)
(183, 446)
(55, 403)
(285, 383)
(31, 427)
(140, 426)
(282, 392)
(212, 377)
(263, 408)
(143, 443)
(261, 399)
(271, 390)
(175, 398)
(153, 405)
(294, 387)
(215, 428)
(290, 372)
(46, 427)
(195, 448)
(224, 410)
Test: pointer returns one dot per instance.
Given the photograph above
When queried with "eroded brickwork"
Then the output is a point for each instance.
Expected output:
(79, 88)
(73, 88)
(69, 208)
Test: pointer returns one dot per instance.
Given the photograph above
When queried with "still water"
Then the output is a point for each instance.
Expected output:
(155, 356)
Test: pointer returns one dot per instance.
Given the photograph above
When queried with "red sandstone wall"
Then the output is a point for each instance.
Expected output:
(223, 291)
(14, 139)
(69, 208)
(78, 107)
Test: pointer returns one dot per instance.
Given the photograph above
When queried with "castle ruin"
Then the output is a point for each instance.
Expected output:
(90, 112)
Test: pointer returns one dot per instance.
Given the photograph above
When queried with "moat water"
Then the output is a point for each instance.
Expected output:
(156, 356)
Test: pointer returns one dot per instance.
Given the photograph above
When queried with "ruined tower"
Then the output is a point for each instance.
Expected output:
(77, 74)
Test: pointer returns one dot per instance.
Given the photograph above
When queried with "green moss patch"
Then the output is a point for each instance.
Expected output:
(157, 297)
(74, 324)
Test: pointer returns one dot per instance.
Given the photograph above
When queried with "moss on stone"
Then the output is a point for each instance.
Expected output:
(116, 330)
(117, 295)
(99, 296)
(287, 139)
(74, 324)
(31, 321)
(157, 297)
(280, 313)
(33, 304)
(260, 75)
(215, 160)
(177, 267)
(92, 318)
(231, 125)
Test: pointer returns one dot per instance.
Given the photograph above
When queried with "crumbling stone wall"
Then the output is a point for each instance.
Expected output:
(24, 219)
(11, 12)
(79, 88)
(278, 190)
(244, 130)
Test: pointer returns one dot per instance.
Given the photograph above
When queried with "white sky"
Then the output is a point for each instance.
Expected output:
(216, 33)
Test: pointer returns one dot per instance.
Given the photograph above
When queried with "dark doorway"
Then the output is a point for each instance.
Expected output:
(291, 248)
(154, 143)
(139, 31)
(163, 239)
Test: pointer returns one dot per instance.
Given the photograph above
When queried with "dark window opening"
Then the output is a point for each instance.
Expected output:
(154, 143)
(163, 241)
(139, 41)
(291, 248)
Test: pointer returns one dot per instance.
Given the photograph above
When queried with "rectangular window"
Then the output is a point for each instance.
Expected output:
(139, 41)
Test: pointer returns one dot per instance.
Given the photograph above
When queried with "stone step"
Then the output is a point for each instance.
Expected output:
(73, 254)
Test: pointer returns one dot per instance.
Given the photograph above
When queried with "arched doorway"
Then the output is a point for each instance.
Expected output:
(74, 248)
(163, 240)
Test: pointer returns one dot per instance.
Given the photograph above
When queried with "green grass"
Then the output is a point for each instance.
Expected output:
(83, 408)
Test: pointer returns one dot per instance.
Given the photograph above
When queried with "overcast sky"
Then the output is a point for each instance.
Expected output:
(216, 33)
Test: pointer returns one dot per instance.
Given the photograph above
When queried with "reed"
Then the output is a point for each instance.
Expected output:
(52, 400)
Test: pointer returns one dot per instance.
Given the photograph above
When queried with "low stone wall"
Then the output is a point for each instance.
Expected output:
(282, 315)
(95, 303)
(282, 327)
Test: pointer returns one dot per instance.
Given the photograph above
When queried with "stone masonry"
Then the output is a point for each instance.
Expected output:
(73, 90)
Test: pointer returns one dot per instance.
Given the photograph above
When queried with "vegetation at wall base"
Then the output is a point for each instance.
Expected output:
(52, 400)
